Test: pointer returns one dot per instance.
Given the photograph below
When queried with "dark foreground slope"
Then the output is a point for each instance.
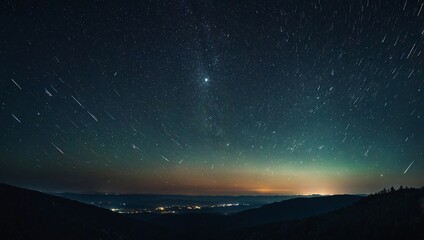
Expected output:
(393, 215)
(26, 214)
(292, 209)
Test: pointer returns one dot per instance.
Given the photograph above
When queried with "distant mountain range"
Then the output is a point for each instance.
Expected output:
(26, 214)
(292, 209)
(149, 202)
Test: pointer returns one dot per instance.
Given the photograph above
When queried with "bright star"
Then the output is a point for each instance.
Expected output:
(206, 79)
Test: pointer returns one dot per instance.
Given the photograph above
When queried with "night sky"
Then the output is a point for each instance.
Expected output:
(212, 97)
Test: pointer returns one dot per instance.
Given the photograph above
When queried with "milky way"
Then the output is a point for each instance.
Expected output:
(212, 97)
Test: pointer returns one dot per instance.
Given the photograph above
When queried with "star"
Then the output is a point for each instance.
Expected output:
(206, 80)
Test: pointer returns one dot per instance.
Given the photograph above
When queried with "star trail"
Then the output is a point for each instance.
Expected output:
(212, 97)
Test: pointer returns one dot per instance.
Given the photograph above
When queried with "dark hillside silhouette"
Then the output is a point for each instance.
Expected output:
(27, 214)
(389, 214)
(292, 209)
(386, 215)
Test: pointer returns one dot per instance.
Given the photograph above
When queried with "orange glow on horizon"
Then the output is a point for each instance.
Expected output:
(241, 182)
(244, 181)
